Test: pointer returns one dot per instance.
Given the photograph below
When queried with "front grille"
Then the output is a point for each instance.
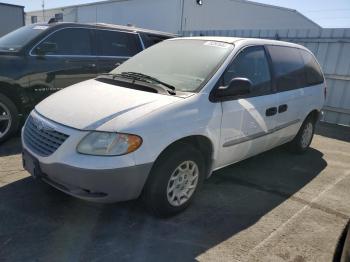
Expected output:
(41, 138)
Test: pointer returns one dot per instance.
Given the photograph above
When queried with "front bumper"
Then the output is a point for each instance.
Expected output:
(92, 178)
(105, 186)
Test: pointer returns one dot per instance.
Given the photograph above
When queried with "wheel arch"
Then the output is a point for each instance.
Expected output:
(200, 142)
(314, 114)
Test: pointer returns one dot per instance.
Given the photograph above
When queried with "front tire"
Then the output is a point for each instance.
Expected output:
(303, 139)
(174, 181)
(8, 118)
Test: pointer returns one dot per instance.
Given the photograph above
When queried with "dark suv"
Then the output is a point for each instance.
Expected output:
(39, 59)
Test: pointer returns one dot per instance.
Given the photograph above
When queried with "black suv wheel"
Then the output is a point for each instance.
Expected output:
(8, 118)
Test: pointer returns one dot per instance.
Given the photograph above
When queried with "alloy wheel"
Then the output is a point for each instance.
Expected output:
(5, 120)
(183, 183)
(307, 135)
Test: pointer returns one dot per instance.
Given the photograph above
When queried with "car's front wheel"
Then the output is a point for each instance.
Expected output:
(174, 181)
(8, 118)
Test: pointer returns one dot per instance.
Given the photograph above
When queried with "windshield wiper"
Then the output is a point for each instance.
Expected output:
(139, 76)
(146, 79)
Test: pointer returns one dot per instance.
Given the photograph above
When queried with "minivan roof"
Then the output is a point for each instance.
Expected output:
(233, 40)
(109, 26)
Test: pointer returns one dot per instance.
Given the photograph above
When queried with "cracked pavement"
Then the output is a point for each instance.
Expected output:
(273, 207)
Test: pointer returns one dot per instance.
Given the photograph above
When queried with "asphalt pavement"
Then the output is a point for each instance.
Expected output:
(276, 206)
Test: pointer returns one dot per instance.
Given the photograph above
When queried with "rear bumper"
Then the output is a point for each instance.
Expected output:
(103, 186)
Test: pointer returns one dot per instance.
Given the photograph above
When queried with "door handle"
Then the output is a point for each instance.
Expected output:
(91, 66)
(282, 108)
(271, 111)
(81, 63)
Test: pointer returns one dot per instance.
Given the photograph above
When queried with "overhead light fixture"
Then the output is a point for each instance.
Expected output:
(199, 2)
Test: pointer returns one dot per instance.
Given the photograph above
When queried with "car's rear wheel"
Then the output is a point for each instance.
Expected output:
(342, 252)
(303, 139)
(8, 118)
(174, 181)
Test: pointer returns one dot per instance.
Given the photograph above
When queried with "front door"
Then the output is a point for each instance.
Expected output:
(248, 122)
(70, 62)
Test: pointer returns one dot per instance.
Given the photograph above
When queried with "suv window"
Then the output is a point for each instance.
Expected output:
(70, 41)
(312, 69)
(19, 38)
(251, 63)
(114, 43)
(288, 67)
(151, 39)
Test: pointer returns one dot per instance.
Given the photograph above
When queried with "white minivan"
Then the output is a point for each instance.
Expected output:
(163, 121)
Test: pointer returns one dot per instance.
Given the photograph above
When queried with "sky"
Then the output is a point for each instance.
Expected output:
(334, 13)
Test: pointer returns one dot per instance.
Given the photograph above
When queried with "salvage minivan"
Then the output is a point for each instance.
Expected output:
(162, 122)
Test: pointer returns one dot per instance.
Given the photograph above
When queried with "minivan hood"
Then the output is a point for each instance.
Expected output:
(93, 105)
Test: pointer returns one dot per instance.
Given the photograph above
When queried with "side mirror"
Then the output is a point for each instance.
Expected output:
(45, 48)
(238, 86)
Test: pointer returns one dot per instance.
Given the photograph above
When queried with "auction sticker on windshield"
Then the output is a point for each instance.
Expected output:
(40, 27)
(217, 44)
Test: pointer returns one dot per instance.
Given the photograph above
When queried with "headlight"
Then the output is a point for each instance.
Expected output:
(109, 144)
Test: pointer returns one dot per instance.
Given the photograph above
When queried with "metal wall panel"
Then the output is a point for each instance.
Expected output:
(332, 49)
(228, 14)
(178, 15)
(11, 18)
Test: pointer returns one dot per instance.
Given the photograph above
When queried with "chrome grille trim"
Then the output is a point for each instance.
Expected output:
(41, 139)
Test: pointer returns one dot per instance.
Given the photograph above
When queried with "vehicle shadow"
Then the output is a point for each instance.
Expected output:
(42, 223)
(333, 131)
(11, 147)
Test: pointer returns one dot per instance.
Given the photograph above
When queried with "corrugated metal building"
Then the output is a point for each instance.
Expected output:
(11, 17)
(179, 15)
(332, 49)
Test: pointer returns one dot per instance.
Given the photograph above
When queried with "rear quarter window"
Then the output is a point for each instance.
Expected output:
(312, 69)
(288, 66)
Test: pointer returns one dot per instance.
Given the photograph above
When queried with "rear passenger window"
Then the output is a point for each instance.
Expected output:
(312, 69)
(288, 67)
(251, 63)
(114, 43)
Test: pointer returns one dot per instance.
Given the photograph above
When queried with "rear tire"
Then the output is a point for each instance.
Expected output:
(9, 120)
(303, 139)
(340, 250)
(174, 181)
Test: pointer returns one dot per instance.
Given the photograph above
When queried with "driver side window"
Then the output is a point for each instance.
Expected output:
(251, 63)
(70, 41)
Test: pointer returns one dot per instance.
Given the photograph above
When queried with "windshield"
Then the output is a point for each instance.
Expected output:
(17, 39)
(183, 64)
